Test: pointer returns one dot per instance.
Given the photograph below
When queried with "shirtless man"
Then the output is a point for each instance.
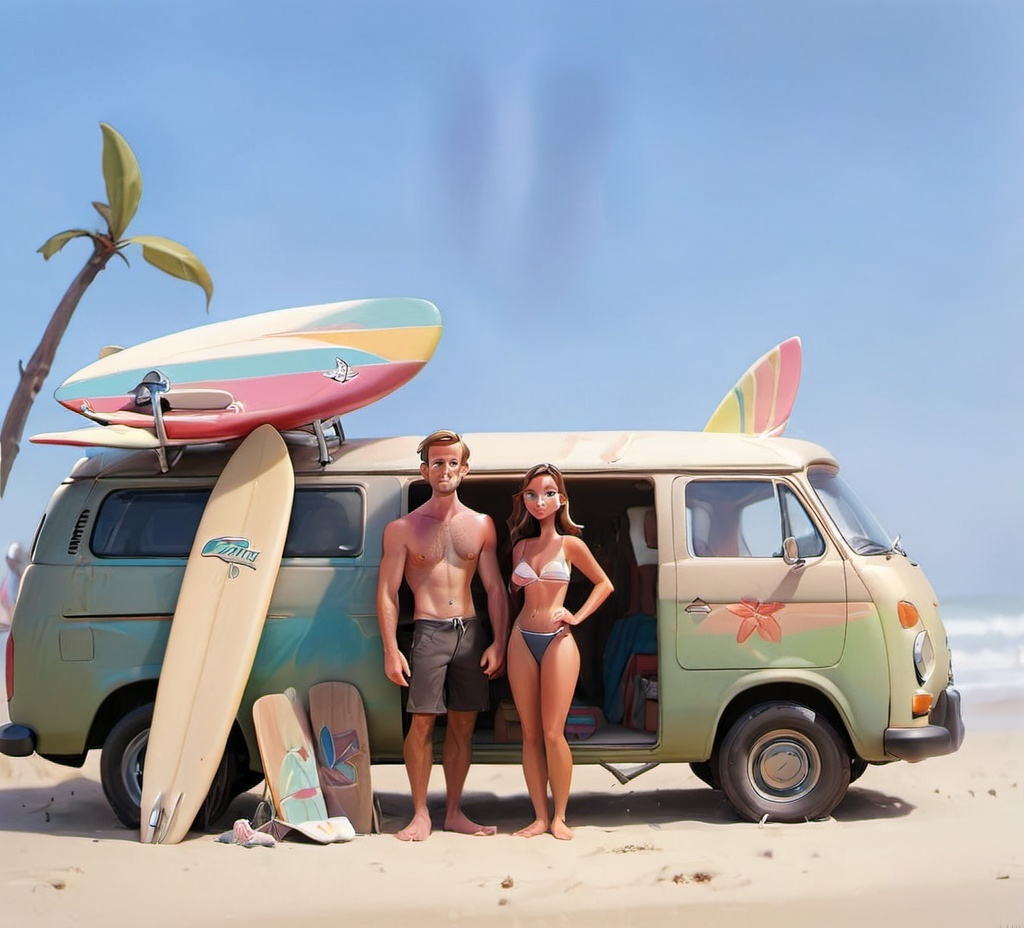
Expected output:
(438, 548)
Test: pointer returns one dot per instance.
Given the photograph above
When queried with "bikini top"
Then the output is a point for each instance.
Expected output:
(556, 569)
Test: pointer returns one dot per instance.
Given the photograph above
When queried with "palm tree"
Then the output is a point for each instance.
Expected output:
(124, 190)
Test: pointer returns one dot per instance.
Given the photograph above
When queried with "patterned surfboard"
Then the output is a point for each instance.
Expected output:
(286, 368)
(290, 768)
(762, 400)
(342, 751)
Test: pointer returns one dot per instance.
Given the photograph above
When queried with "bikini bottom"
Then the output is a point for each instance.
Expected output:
(538, 642)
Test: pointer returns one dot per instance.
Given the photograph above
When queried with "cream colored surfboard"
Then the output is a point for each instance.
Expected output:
(217, 624)
(342, 751)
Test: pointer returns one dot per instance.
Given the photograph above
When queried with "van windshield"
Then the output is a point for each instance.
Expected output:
(858, 524)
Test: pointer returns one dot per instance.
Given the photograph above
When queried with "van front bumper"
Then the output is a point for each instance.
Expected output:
(17, 740)
(943, 734)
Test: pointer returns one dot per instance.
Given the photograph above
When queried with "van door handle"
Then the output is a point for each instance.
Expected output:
(698, 607)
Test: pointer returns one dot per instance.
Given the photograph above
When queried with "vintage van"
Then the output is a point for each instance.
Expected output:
(764, 628)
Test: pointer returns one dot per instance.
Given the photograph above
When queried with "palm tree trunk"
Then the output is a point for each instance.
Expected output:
(38, 368)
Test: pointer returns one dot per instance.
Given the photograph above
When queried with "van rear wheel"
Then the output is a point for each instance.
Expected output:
(123, 758)
(785, 761)
(121, 762)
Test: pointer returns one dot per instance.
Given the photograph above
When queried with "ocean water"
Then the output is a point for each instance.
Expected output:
(986, 637)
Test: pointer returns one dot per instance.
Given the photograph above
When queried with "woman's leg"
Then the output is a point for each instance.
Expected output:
(524, 677)
(559, 672)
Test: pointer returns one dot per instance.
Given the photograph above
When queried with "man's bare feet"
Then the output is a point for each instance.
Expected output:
(536, 827)
(417, 830)
(560, 830)
(459, 823)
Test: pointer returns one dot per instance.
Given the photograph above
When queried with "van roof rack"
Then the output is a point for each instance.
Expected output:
(318, 429)
(155, 386)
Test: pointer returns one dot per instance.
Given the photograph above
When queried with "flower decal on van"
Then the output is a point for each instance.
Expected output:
(757, 616)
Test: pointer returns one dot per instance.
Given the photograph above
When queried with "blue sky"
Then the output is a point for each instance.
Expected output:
(617, 206)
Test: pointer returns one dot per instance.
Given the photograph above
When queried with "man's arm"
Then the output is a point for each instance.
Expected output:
(493, 660)
(392, 567)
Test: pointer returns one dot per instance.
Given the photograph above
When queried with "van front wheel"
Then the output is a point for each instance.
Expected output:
(783, 761)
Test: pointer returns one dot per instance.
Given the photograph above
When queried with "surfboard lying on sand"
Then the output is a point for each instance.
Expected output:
(289, 765)
(341, 743)
(287, 368)
(762, 400)
(224, 597)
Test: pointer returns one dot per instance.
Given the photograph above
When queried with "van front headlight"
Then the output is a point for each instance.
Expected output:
(924, 656)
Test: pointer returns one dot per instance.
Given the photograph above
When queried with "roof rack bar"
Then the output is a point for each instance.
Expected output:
(153, 385)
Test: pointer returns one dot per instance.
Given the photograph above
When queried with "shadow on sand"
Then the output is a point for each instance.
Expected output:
(638, 807)
(76, 807)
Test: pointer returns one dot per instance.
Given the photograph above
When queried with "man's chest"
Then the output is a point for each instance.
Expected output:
(455, 543)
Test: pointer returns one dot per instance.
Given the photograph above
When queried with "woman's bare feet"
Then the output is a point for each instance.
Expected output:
(537, 827)
(460, 824)
(417, 830)
(560, 830)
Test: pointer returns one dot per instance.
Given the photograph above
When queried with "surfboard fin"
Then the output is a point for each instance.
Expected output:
(167, 818)
(149, 826)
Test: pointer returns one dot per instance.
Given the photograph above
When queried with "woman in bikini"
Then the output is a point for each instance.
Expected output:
(543, 660)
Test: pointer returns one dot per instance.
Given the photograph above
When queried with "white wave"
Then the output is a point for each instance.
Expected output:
(1006, 626)
(988, 659)
(1010, 684)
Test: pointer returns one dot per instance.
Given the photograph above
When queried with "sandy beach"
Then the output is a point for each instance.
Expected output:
(937, 843)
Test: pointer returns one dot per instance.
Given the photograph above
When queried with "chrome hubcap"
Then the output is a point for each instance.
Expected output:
(131, 765)
(783, 766)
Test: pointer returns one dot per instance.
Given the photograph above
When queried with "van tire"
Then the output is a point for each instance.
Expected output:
(783, 761)
(121, 762)
(123, 758)
(707, 772)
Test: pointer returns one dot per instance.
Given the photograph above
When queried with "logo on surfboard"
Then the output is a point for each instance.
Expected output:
(233, 551)
(342, 372)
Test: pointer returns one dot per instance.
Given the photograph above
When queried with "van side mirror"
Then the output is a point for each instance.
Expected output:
(791, 553)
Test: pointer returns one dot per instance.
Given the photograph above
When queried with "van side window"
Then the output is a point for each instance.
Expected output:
(745, 518)
(325, 522)
(148, 523)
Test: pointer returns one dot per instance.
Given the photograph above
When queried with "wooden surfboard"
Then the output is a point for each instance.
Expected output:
(763, 398)
(341, 743)
(287, 368)
(290, 769)
(224, 597)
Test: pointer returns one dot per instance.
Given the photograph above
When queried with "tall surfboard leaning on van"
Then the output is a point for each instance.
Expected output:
(764, 629)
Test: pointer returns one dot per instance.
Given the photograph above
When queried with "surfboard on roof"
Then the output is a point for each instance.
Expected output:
(286, 368)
